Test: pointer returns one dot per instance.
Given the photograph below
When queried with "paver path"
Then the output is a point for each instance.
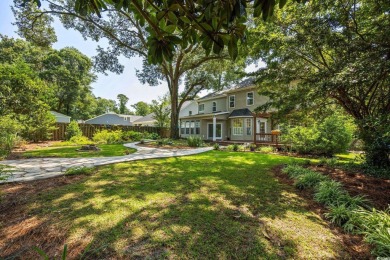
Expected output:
(41, 168)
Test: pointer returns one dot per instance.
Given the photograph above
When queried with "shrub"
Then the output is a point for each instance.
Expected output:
(375, 226)
(331, 136)
(266, 149)
(294, 170)
(132, 136)
(164, 141)
(309, 180)
(339, 214)
(79, 170)
(9, 130)
(5, 172)
(236, 147)
(329, 192)
(153, 136)
(39, 126)
(80, 140)
(72, 130)
(108, 137)
(216, 146)
(194, 141)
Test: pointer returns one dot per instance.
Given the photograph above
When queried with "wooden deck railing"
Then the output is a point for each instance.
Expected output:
(275, 139)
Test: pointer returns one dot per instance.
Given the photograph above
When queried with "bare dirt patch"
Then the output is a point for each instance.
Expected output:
(354, 244)
(20, 231)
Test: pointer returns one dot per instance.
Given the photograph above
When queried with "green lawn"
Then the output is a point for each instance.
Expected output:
(70, 151)
(213, 205)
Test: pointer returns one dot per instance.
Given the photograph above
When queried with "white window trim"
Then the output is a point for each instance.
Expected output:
(234, 101)
(216, 137)
(253, 98)
(242, 127)
(212, 108)
(199, 111)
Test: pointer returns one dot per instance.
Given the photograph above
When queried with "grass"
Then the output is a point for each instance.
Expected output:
(213, 205)
(70, 152)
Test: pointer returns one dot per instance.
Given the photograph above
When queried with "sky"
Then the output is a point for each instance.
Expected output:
(106, 86)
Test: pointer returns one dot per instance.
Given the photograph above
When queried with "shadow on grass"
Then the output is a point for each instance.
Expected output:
(211, 205)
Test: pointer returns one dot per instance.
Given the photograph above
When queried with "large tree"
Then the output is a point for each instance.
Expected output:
(128, 36)
(335, 51)
(213, 24)
(141, 108)
(123, 99)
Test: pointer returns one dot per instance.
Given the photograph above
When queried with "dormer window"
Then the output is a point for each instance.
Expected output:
(249, 98)
(232, 101)
(190, 113)
(201, 108)
(214, 106)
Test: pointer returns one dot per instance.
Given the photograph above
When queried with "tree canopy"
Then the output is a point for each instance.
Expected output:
(330, 52)
(212, 24)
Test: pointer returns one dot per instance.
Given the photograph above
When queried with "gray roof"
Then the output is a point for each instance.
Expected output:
(243, 84)
(241, 112)
(146, 118)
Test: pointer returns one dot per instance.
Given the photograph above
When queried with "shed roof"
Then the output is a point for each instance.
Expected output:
(243, 112)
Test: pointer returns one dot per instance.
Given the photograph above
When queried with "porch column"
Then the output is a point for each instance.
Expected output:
(214, 129)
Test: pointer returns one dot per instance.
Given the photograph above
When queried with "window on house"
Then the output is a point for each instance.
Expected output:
(249, 126)
(214, 106)
(249, 98)
(201, 108)
(197, 127)
(192, 127)
(190, 113)
(183, 128)
(237, 126)
(232, 101)
(187, 127)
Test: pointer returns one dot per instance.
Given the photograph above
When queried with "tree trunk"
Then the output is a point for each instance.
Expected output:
(174, 110)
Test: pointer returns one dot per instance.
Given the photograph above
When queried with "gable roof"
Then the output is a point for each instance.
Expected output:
(58, 114)
(243, 112)
(147, 118)
(132, 117)
(223, 93)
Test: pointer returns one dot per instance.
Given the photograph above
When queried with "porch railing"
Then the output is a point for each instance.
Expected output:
(275, 139)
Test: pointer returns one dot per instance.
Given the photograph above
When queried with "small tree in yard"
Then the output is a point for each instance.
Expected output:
(73, 129)
(161, 111)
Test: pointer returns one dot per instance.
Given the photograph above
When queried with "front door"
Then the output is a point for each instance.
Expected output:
(218, 132)
(261, 128)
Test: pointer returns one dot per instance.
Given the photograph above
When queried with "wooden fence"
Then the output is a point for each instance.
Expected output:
(89, 130)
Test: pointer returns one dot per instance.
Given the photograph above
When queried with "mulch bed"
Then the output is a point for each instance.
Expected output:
(377, 191)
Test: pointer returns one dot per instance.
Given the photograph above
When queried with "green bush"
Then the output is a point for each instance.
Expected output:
(38, 127)
(5, 172)
(375, 226)
(153, 136)
(331, 136)
(266, 149)
(80, 140)
(330, 193)
(72, 130)
(310, 179)
(194, 141)
(108, 137)
(339, 214)
(9, 134)
(132, 136)
(216, 146)
(294, 170)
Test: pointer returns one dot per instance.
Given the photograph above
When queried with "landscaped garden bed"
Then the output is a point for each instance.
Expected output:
(187, 207)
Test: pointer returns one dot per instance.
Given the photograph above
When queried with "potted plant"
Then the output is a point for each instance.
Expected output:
(252, 147)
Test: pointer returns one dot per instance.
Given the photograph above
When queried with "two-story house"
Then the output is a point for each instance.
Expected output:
(228, 116)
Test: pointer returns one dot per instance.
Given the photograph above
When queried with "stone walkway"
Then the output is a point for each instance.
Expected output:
(42, 168)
